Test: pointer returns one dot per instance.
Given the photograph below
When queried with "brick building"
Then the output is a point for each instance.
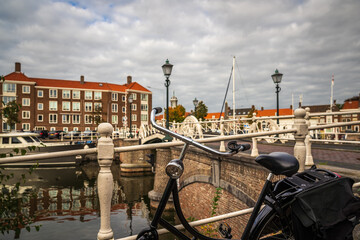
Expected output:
(74, 105)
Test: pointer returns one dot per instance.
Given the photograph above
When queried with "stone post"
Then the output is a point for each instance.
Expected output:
(309, 159)
(254, 149)
(222, 143)
(105, 183)
(302, 131)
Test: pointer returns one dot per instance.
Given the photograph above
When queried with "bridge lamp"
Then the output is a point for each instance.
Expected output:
(175, 168)
(196, 102)
(167, 68)
(130, 103)
(276, 77)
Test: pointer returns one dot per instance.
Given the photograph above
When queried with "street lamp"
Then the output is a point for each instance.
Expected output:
(130, 127)
(277, 80)
(167, 68)
(196, 102)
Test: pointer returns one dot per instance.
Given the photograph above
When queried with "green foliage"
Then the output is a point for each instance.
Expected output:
(12, 216)
(201, 110)
(177, 114)
(10, 113)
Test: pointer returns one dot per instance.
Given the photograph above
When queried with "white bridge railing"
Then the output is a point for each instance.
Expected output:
(105, 153)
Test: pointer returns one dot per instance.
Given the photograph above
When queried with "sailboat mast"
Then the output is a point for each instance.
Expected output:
(331, 93)
(233, 87)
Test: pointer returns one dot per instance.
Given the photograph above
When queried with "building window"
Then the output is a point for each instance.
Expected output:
(88, 107)
(76, 106)
(66, 94)
(123, 109)
(88, 95)
(144, 97)
(26, 126)
(97, 95)
(133, 107)
(123, 98)
(53, 93)
(26, 101)
(134, 96)
(114, 107)
(53, 129)
(88, 119)
(133, 117)
(76, 129)
(114, 96)
(40, 93)
(53, 106)
(25, 114)
(76, 119)
(40, 106)
(65, 129)
(76, 94)
(97, 106)
(66, 106)
(144, 107)
(114, 119)
(7, 99)
(66, 119)
(40, 117)
(52, 118)
(26, 89)
(9, 87)
(144, 117)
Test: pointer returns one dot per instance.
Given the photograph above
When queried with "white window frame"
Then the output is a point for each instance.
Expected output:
(25, 114)
(144, 97)
(40, 93)
(123, 98)
(114, 96)
(25, 126)
(26, 102)
(76, 106)
(66, 94)
(26, 89)
(134, 96)
(114, 119)
(53, 109)
(53, 93)
(52, 128)
(133, 117)
(64, 103)
(97, 105)
(76, 119)
(88, 106)
(76, 94)
(144, 117)
(67, 118)
(6, 87)
(144, 107)
(88, 95)
(87, 119)
(123, 109)
(114, 107)
(51, 118)
(133, 106)
(38, 117)
(97, 95)
(40, 106)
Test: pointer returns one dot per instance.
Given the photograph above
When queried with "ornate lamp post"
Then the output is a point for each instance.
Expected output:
(277, 80)
(167, 68)
(130, 103)
(196, 102)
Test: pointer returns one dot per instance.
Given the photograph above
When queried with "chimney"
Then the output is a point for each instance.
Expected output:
(17, 67)
(129, 79)
(299, 104)
(291, 106)
(82, 79)
(262, 108)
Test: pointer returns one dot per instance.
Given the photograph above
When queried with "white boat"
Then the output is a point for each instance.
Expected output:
(26, 143)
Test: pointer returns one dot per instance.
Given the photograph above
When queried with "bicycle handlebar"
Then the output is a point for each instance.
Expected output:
(234, 148)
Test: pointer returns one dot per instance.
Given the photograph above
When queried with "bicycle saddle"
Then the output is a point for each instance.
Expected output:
(279, 163)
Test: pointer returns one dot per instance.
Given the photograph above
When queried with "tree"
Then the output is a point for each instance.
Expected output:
(201, 110)
(97, 115)
(177, 114)
(10, 113)
(251, 112)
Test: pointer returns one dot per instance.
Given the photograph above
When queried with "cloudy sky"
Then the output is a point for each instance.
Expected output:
(307, 40)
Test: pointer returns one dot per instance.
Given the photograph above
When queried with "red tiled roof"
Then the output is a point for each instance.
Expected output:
(272, 112)
(57, 83)
(214, 115)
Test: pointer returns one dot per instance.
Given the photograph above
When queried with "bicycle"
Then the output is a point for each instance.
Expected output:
(273, 221)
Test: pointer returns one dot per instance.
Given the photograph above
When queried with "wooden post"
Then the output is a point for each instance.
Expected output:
(302, 131)
(105, 183)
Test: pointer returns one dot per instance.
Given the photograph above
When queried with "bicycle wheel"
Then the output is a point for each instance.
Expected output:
(268, 226)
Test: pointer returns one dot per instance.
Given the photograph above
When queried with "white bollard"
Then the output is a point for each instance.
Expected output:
(105, 182)
(254, 149)
(222, 143)
(302, 131)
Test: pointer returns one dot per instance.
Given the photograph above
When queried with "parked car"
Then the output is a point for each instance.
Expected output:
(88, 134)
(73, 134)
(42, 133)
(55, 134)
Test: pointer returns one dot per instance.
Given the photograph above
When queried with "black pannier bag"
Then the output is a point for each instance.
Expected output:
(326, 210)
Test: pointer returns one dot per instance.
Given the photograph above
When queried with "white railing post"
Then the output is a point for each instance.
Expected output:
(254, 149)
(302, 131)
(309, 161)
(222, 143)
(105, 182)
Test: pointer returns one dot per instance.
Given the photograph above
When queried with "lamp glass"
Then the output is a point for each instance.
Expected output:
(277, 77)
(167, 68)
(195, 101)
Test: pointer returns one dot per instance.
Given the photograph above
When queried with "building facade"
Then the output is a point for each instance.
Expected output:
(74, 105)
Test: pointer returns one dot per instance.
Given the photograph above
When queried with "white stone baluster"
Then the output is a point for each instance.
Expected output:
(105, 182)
(222, 143)
(302, 131)
(254, 149)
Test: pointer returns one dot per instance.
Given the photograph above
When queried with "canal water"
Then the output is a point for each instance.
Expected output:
(66, 205)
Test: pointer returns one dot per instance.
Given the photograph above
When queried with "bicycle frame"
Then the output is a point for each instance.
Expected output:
(172, 187)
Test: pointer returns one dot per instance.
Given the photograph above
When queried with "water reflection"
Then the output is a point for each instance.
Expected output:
(65, 202)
